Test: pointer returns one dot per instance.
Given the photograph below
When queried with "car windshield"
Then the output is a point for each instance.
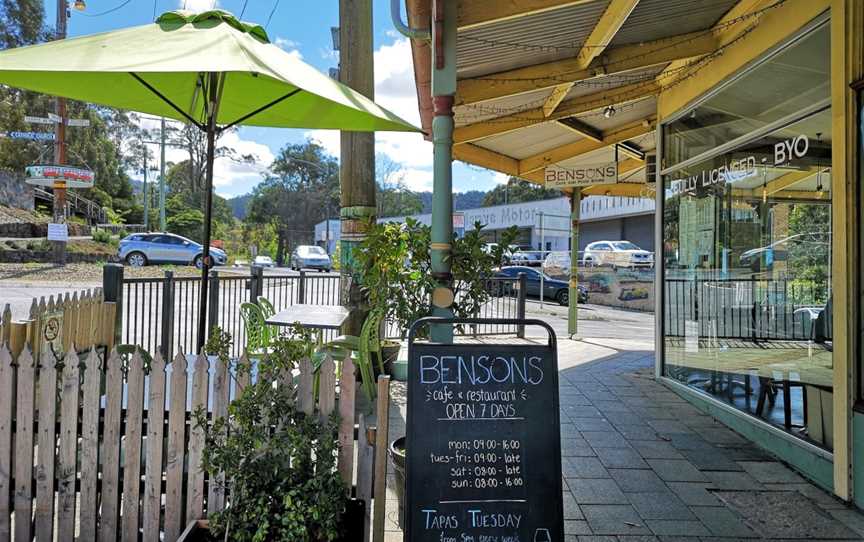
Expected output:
(311, 251)
(625, 245)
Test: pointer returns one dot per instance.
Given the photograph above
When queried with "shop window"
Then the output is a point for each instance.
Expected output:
(747, 249)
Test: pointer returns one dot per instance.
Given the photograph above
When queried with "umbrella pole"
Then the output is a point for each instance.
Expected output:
(203, 330)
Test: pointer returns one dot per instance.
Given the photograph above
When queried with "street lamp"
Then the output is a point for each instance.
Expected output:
(80, 5)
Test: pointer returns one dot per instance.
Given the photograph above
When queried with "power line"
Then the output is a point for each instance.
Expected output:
(242, 11)
(107, 11)
(154, 8)
(275, 7)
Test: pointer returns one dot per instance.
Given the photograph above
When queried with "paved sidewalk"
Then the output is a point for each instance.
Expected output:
(641, 464)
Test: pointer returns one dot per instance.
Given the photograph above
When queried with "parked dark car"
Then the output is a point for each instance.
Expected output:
(531, 258)
(552, 288)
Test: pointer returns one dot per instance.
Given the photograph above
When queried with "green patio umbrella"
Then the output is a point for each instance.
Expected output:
(208, 69)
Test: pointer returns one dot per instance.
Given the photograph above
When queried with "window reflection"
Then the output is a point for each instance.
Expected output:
(747, 254)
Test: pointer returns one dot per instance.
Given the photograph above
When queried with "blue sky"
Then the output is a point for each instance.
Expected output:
(302, 27)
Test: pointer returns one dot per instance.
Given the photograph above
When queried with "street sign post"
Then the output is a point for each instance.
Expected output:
(33, 136)
(38, 120)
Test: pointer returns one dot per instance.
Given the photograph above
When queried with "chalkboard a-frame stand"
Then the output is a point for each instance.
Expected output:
(483, 442)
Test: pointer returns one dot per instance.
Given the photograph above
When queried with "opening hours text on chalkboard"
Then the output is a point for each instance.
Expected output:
(483, 445)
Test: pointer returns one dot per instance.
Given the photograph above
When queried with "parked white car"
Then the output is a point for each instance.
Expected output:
(617, 254)
(264, 261)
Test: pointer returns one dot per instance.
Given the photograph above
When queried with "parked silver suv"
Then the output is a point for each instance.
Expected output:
(140, 249)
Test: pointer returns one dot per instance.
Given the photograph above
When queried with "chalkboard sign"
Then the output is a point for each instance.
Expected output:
(483, 443)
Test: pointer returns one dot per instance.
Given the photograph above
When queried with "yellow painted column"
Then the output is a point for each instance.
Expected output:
(847, 18)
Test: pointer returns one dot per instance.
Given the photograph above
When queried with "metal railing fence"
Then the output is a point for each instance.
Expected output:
(750, 309)
(162, 313)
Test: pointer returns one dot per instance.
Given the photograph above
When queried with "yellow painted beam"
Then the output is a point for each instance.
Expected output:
(555, 98)
(607, 26)
(628, 190)
(808, 195)
(614, 60)
(790, 179)
(567, 108)
(775, 26)
(478, 156)
(584, 146)
(476, 13)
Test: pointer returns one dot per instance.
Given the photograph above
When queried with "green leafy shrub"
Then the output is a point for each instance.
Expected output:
(102, 236)
(279, 464)
(394, 267)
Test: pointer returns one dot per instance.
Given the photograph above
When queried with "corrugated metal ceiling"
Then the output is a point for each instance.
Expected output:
(507, 44)
(655, 19)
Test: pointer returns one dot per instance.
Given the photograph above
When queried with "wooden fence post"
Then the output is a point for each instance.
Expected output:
(112, 288)
(382, 433)
(7, 376)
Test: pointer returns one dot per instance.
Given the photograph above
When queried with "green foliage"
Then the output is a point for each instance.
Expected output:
(393, 265)
(300, 190)
(518, 191)
(279, 464)
(809, 257)
(102, 236)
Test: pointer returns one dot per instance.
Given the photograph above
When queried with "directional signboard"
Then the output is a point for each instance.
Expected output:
(38, 120)
(569, 177)
(78, 122)
(59, 176)
(483, 442)
(33, 136)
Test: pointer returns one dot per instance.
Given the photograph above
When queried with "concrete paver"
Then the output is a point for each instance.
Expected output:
(640, 464)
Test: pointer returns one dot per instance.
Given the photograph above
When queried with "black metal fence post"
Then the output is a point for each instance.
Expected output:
(301, 288)
(167, 331)
(112, 289)
(521, 297)
(256, 284)
(213, 302)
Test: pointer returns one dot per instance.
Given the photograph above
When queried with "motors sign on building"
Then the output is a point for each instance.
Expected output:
(59, 176)
(568, 177)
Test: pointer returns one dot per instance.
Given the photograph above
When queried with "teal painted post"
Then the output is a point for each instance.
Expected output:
(573, 302)
(442, 214)
(443, 90)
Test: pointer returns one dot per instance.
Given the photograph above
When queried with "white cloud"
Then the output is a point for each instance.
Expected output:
(198, 5)
(500, 178)
(416, 180)
(394, 90)
(288, 45)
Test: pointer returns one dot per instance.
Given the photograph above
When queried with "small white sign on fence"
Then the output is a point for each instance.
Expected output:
(58, 232)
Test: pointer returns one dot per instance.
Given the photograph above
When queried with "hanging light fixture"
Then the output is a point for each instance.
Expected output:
(80, 5)
(609, 112)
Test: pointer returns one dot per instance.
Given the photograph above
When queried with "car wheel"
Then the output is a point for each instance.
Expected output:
(198, 262)
(321, 270)
(136, 259)
(563, 298)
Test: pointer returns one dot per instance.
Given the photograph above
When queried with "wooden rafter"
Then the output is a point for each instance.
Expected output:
(475, 13)
(607, 26)
(614, 60)
(789, 179)
(559, 92)
(474, 154)
(584, 146)
(568, 108)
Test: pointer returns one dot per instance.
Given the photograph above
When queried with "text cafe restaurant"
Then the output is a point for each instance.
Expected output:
(759, 224)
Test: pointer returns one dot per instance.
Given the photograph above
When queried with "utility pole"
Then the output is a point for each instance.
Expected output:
(146, 195)
(162, 180)
(357, 164)
(60, 147)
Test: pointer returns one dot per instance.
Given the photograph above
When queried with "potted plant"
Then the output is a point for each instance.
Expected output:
(394, 268)
(276, 464)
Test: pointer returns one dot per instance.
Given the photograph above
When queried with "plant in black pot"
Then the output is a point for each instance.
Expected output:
(276, 465)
